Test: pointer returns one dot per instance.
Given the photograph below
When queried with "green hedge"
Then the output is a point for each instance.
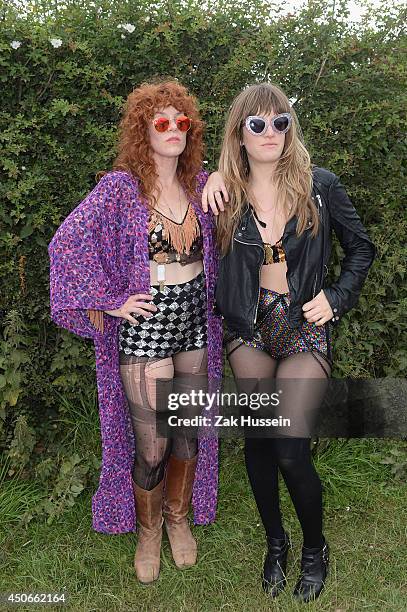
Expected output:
(61, 103)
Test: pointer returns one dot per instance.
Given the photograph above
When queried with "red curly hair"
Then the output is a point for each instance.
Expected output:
(134, 150)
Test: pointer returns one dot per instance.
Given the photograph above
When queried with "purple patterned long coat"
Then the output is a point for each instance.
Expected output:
(98, 258)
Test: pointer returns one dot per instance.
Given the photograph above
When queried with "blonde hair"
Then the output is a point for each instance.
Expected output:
(293, 171)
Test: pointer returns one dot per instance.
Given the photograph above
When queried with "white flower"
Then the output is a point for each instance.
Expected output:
(55, 42)
(347, 508)
(205, 161)
(15, 44)
(147, 18)
(122, 36)
(129, 27)
(22, 167)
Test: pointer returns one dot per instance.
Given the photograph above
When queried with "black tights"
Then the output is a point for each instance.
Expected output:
(139, 375)
(291, 455)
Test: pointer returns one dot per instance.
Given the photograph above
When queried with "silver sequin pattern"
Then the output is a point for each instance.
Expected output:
(180, 323)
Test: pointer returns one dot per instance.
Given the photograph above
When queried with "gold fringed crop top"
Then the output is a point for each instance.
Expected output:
(169, 241)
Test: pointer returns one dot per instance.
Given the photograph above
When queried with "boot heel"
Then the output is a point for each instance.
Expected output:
(150, 519)
(314, 571)
(275, 565)
(180, 476)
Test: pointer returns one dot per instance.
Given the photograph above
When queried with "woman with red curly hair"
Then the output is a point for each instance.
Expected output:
(134, 267)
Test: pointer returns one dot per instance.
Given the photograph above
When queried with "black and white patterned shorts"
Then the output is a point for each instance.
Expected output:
(180, 323)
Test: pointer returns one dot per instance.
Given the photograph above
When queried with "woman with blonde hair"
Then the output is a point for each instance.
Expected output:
(133, 267)
(274, 235)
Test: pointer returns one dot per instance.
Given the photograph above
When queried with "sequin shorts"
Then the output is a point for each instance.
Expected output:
(180, 323)
(274, 335)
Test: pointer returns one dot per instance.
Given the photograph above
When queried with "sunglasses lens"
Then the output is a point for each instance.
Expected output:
(161, 124)
(183, 124)
(281, 124)
(256, 125)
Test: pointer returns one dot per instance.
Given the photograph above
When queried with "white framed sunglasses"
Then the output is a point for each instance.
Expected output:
(258, 126)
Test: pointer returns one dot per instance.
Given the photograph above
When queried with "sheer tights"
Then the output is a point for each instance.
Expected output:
(181, 373)
(303, 384)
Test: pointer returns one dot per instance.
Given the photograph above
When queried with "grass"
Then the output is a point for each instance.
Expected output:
(364, 522)
(16, 496)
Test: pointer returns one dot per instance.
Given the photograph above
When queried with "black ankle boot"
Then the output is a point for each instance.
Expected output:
(314, 570)
(275, 564)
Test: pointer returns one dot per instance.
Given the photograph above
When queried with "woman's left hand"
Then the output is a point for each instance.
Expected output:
(318, 310)
(213, 192)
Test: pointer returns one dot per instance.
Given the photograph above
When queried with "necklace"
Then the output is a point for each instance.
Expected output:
(264, 211)
(179, 235)
(263, 224)
(174, 217)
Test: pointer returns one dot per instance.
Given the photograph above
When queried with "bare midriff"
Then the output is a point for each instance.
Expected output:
(175, 273)
(273, 276)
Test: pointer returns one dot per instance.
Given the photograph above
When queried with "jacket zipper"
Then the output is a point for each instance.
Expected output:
(258, 294)
(320, 205)
(318, 197)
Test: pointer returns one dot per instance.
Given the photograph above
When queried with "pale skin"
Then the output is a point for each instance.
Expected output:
(263, 153)
(172, 202)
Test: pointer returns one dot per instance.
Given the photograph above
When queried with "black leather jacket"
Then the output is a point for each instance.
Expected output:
(238, 285)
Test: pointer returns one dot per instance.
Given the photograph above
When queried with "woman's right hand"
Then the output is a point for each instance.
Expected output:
(212, 193)
(135, 304)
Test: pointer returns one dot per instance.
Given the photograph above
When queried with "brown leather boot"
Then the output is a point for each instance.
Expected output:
(150, 519)
(180, 476)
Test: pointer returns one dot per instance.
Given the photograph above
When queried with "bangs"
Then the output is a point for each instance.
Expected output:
(164, 99)
(263, 100)
(172, 95)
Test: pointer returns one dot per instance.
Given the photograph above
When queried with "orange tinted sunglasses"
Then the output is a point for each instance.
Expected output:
(162, 124)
